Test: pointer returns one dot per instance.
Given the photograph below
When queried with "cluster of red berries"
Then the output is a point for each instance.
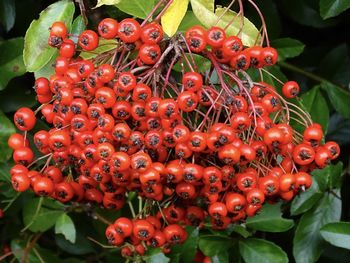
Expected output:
(195, 151)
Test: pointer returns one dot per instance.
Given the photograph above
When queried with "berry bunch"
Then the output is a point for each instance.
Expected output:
(196, 152)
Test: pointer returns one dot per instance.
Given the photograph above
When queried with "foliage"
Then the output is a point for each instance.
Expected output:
(43, 230)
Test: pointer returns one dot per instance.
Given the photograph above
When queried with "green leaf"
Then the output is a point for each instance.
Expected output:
(316, 105)
(254, 250)
(11, 61)
(6, 129)
(223, 257)
(157, 258)
(241, 230)
(339, 98)
(306, 200)
(328, 177)
(104, 46)
(203, 64)
(249, 33)
(287, 47)
(331, 8)
(308, 243)
(78, 26)
(7, 14)
(106, 2)
(173, 16)
(188, 21)
(187, 251)
(38, 218)
(47, 70)
(270, 220)
(17, 95)
(138, 8)
(65, 226)
(36, 51)
(5, 172)
(335, 65)
(212, 245)
(338, 234)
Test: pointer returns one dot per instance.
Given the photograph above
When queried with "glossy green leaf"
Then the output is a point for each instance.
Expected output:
(212, 245)
(315, 104)
(339, 129)
(11, 60)
(187, 250)
(223, 257)
(254, 250)
(339, 98)
(338, 234)
(287, 47)
(331, 8)
(47, 70)
(241, 230)
(328, 177)
(6, 129)
(270, 220)
(308, 243)
(104, 46)
(107, 2)
(138, 8)
(36, 51)
(7, 14)
(249, 33)
(188, 21)
(65, 226)
(78, 26)
(157, 258)
(306, 200)
(38, 218)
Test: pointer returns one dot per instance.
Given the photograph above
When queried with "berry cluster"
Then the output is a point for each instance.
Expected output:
(196, 152)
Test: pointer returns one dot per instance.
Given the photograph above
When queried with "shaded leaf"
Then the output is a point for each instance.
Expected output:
(338, 234)
(328, 177)
(65, 226)
(331, 8)
(249, 33)
(315, 104)
(187, 250)
(338, 129)
(173, 16)
(308, 243)
(7, 14)
(38, 218)
(6, 129)
(254, 250)
(212, 245)
(339, 98)
(287, 47)
(36, 51)
(11, 60)
(203, 64)
(223, 257)
(138, 8)
(16, 95)
(270, 220)
(306, 200)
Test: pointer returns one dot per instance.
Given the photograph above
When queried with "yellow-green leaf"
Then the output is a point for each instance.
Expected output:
(226, 18)
(173, 16)
(106, 2)
(104, 46)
